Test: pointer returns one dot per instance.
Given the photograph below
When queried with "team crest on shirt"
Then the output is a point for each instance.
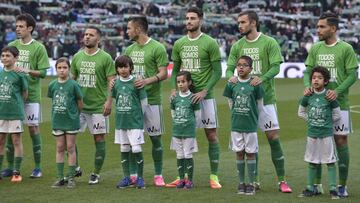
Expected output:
(6, 89)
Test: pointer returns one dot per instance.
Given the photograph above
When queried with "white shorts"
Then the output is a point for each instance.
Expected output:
(244, 141)
(131, 137)
(320, 150)
(343, 126)
(184, 147)
(32, 114)
(208, 114)
(62, 132)
(268, 119)
(11, 126)
(96, 123)
(154, 120)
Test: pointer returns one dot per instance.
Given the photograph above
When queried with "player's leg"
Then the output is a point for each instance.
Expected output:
(18, 156)
(237, 145)
(60, 151)
(177, 145)
(7, 172)
(71, 149)
(190, 146)
(251, 148)
(33, 119)
(2, 148)
(122, 140)
(136, 139)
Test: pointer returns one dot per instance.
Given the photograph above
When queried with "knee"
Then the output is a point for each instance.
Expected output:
(60, 148)
(340, 140)
(136, 149)
(99, 138)
(71, 149)
(125, 148)
(272, 134)
(34, 130)
(211, 135)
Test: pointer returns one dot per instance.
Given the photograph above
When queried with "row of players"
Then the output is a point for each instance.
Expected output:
(197, 53)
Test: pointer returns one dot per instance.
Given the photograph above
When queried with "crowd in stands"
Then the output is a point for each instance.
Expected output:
(292, 23)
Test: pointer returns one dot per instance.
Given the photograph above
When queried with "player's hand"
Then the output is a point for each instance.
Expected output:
(233, 79)
(107, 108)
(198, 97)
(139, 83)
(331, 95)
(308, 91)
(255, 81)
(21, 70)
(172, 94)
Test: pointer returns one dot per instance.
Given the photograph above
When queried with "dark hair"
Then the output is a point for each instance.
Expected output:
(29, 19)
(13, 50)
(196, 10)
(324, 72)
(62, 59)
(141, 22)
(98, 31)
(248, 60)
(188, 78)
(252, 15)
(331, 19)
(123, 61)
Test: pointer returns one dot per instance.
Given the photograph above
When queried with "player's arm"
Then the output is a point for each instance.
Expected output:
(108, 102)
(350, 80)
(175, 71)
(309, 64)
(161, 75)
(231, 64)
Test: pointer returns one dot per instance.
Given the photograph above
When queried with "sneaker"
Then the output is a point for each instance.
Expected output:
(58, 183)
(94, 179)
(71, 183)
(257, 186)
(250, 189)
(159, 181)
(16, 177)
(78, 172)
(214, 182)
(241, 188)
(125, 182)
(7, 172)
(36, 173)
(174, 183)
(307, 193)
(180, 184)
(318, 189)
(284, 187)
(140, 184)
(189, 184)
(334, 194)
(343, 191)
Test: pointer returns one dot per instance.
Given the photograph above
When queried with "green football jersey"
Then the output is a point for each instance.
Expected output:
(265, 52)
(196, 56)
(12, 86)
(244, 112)
(147, 59)
(129, 114)
(32, 56)
(64, 112)
(91, 72)
(319, 113)
(184, 121)
(339, 60)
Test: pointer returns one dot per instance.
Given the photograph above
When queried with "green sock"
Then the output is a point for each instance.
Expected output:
(77, 155)
(72, 171)
(99, 156)
(214, 154)
(189, 163)
(1, 160)
(18, 161)
(251, 164)
(10, 152)
(132, 163)
(310, 176)
(240, 164)
(60, 170)
(139, 163)
(318, 174)
(343, 164)
(36, 142)
(332, 176)
(277, 157)
(257, 177)
(181, 168)
(157, 153)
(125, 163)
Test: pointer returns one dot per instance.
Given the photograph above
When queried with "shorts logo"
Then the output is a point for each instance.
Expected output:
(153, 129)
(340, 128)
(98, 127)
(32, 118)
(269, 125)
(207, 122)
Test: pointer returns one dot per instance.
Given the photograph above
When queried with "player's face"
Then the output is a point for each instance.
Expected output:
(324, 31)
(132, 31)
(182, 83)
(123, 71)
(22, 30)
(318, 81)
(8, 59)
(193, 22)
(245, 26)
(243, 68)
(91, 38)
(62, 70)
